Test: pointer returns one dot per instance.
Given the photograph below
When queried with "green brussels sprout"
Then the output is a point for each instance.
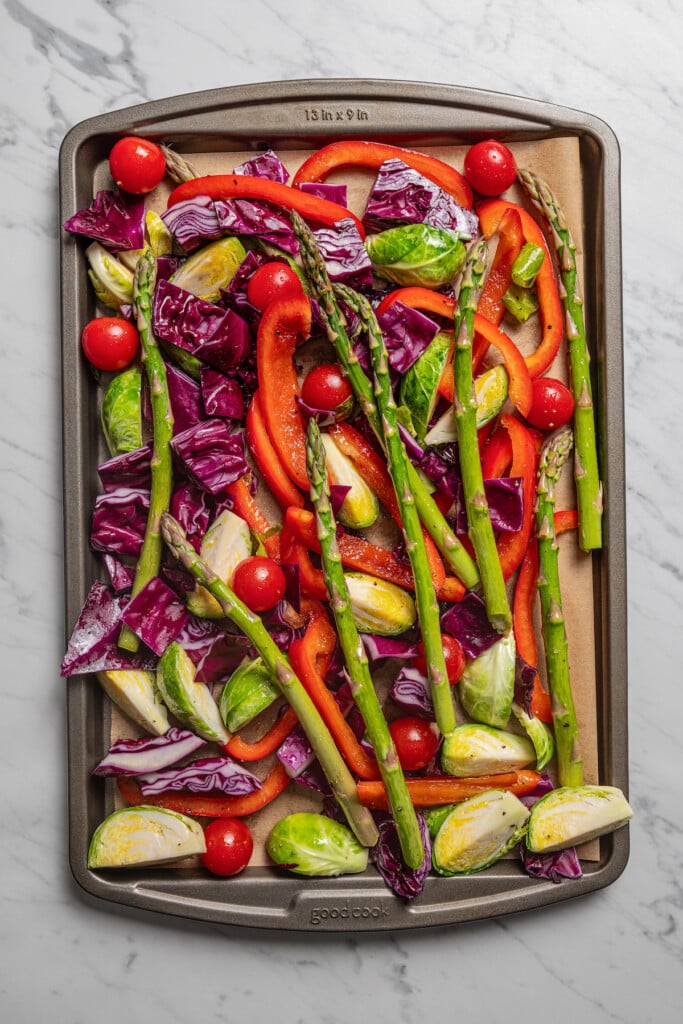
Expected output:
(472, 750)
(160, 238)
(539, 734)
(478, 832)
(121, 412)
(191, 702)
(135, 692)
(312, 844)
(210, 269)
(416, 254)
(248, 692)
(487, 685)
(144, 835)
(225, 544)
(360, 507)
(574, 814)
(491, 391)
(419, 387)
(110, 278)
(378, 606)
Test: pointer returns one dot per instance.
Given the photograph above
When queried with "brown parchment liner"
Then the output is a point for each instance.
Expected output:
(558, 162)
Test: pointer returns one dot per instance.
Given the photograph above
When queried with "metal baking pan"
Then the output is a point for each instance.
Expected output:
(302, 115)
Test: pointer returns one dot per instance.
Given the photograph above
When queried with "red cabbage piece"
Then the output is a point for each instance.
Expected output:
(378, 648)
(156, 615)
(120, 576)
(295, 753)
(468, 622)
(167, 266)
(525, 676)
(324, 190)
(324, 417)
(314, 778)
(206, 775)
(192, 222)
(114, 218)
(265, 165)
(190, 506)
(345, 256)
(292, 574)
(128, 470)
(213, 457)
(407, 333)
(505, 499)
(215, 652)
(234, 296)
(93, 645)
(279, 625)
(221, 395)
(119, 521)
(401, 195)
(338, 494)
(216, 335)
(552, 866)
(404, 881)
(149, 754)
(185, 397)
(411, 691)
(253, 217)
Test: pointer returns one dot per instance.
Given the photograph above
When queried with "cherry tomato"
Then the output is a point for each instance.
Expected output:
(228, 846)
(110, 343)
(490, 167)
(415, 740)
(259, 582)
(326, 387)
(137, 165)
(453, 653)
(273, 281)
(552, 405)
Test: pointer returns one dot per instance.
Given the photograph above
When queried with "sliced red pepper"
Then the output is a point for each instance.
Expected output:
(245, 507)
(446, 789)
(512, 546)
(496, 458)
(267, 744)
(499, 277)
(304, 657)
(200, 805)
(358, 153)
(267, 459)
(245, 186)
(491, 214)
(311, 579)
(283, 323)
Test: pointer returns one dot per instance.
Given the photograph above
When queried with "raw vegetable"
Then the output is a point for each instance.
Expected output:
(521, 303)
(416, 254)
(487, 685)
(325, 387)
(386, 855)
(527, 265)
(207, 272)
(110, 343)
(112, 281)
(259, 582)
(552, 405)
(419, 387)
(249, 691)
(121, 412)
(360, 507)
(491, 391)
(211, 805)
(272, 281)
(574, 814)
(453, 653)
(135, 757)
(136, 694)
(114, 218)
(415, 740)
(205, 775)
(313, 845)
(190, 701)
(136, 165)
(435, 790)
(478, 832)
(490, 167)
(401, 195)
(229, 846)
(225, 545)
(481, 750)
(144, 835)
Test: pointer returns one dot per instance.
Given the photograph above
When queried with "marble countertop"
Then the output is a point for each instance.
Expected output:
(611, 956)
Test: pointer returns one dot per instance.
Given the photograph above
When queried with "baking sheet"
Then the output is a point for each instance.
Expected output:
(562, 157)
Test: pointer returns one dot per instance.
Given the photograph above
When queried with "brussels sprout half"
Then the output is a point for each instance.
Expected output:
(416, 254)
(312, 844)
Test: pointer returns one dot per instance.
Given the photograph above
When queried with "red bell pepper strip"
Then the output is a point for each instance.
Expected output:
(245, 186)
(267, 744)
(499, 277)
(312, 580)
(267, 460)
(358, 153)
(201, 805)
(496, 458)
(446, 789)
(245, 507)
(491, 213)
(304, 655)
(523, 612)
(283, 322)
(512, 546)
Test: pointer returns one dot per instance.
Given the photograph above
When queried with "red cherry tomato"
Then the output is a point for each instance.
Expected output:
(110, 343)
(453, 653)
(228, 846)
(137, 165)
(552, 404)
(273, 281)
(326, 387)
(259, 582)
(415, 740)
(490, 167)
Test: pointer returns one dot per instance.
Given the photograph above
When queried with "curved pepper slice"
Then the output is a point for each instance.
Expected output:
(245, 507)
(267, 459)
(266, 744)
(358, 153)
(283, 322)
(491, 213)
(200, 805)
(311, 579)
(497, 455)
(245, 186)
(499, 277)
(512, 546)
(523, 612)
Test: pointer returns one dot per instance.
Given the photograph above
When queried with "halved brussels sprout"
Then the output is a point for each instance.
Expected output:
(249, 691)
(360, 507)
(191, 702)
(487, 685)
(419, 387)
(312, 844)
(121, 412)
(481, 750)
(160, 238)
(210, 269)
(539, 734)
(144, 835)
(416, 254)
(135, 693)
(491, 390)
(574, 814)
(378, 606)
(226, 543)
(478, 832)
(112, 279)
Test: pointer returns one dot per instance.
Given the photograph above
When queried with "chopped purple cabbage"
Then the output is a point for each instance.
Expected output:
(314, 778)
(468, 622)
(114, 218)
(206, 775)
(131, 469)
(192, 222)
(552, 866)
(213, 457)
(216, 335)
(411, 692)
(292, 574)
(149, 754)
(324, 190)
(295, 753)
(378, 648)
(156, 615)
(119, 521)
(121, 576)
(93, 645)
(185, 398)
(338, 494)
(215, 652)
(407, 334)
(324, 417)
(253, 217)
(402, 195)
(221, 395)
(190, 506)
(525, 676)
(505, 499)
(386, 854)
(264, 165)
(345, 256)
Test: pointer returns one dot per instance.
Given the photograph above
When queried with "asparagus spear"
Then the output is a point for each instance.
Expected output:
(336, 772)
(586, 472)
(161, 466)
(465, 406)
(177, 167)
(398, 462)
(356, 659)
(450, 547)
(554, 454)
